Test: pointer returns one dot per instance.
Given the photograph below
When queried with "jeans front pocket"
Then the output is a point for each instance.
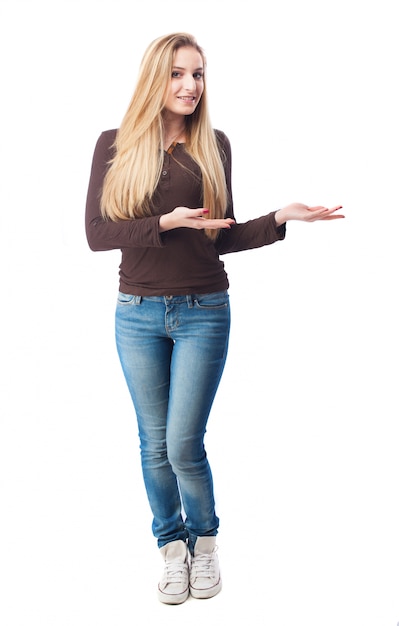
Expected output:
(217, 300)
(125, 299)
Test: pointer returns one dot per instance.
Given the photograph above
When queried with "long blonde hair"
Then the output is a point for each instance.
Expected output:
(128, 186)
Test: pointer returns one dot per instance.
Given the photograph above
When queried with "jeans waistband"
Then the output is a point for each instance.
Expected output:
(168, 299)
(189, 298)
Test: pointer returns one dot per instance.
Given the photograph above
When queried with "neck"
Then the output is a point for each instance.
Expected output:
(173, 133)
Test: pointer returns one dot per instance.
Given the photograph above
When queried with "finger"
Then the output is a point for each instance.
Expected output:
(334, 209)
(330, 214)
(213, 224)
(194, 213)
(317, 213)
(321, 208)
(316, 208)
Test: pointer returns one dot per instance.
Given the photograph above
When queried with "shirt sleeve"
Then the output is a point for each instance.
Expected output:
(254, 233)
(105, 234)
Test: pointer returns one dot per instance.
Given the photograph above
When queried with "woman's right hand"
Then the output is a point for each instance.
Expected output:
(183, 217)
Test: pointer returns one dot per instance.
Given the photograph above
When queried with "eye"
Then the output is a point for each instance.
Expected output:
(198, 76)
(175, 74)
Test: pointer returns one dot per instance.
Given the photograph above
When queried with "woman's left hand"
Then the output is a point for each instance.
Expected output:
(305, 213)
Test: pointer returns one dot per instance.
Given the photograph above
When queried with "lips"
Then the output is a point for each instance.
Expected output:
(186, 98)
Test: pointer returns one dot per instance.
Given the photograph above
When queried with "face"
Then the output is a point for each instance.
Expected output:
(186, 82)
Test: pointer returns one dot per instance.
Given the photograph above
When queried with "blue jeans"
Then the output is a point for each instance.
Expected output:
(173, 350)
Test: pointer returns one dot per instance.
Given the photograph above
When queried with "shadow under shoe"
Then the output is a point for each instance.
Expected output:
(205, 581)
(174, 586)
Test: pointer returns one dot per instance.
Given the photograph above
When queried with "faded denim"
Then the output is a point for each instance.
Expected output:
(173, 350)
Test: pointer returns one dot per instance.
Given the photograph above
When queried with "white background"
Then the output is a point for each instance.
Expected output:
(303, 438)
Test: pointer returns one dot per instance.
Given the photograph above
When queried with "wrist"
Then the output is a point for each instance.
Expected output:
(166, 222)
(280, 217)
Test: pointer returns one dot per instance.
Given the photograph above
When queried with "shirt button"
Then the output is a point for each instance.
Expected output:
(164, 173)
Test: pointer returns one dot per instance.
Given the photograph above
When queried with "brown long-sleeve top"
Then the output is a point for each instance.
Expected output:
(180, 261)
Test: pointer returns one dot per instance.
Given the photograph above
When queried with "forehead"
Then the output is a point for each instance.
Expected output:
(187, 56)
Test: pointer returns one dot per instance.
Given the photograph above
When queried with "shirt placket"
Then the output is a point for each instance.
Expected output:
(165, 173)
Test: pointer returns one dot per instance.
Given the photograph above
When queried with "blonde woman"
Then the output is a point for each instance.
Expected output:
(160, 191)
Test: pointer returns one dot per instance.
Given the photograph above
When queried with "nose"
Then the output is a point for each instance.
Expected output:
(189, 83)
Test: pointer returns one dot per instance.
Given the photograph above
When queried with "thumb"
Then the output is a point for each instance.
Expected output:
(201, 212)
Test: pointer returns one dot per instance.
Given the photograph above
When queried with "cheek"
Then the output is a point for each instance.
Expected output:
(170, 91)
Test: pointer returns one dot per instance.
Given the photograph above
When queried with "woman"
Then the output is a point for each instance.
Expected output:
(160, 190)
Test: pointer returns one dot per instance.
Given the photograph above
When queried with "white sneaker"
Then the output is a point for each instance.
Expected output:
(205, 581)
(174, 587)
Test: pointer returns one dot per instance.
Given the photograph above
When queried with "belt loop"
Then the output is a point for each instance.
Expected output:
(137, 299)
(190, 301)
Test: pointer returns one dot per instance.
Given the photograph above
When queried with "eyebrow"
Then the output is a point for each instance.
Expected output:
(176, 67)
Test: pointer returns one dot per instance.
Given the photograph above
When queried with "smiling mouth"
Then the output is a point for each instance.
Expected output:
(186, 98)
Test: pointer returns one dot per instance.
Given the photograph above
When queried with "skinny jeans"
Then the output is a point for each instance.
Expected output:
(173, 350)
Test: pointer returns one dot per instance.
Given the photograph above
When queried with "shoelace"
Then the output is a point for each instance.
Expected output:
(174, 572)
(202, 564)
